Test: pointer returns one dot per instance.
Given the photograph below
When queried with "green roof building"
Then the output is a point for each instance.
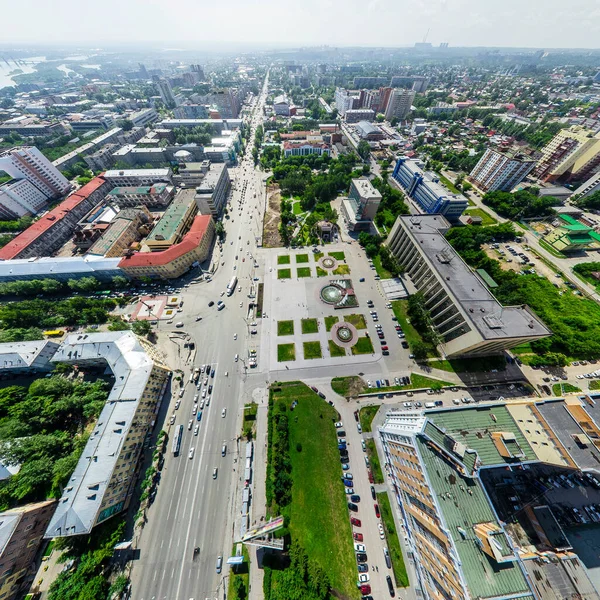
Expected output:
(570, 235)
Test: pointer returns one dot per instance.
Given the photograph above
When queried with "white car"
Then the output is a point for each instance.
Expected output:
(349, 490)
(235, 336)
(223, 412)
(363, 578)
(339, 425)
(196, 398)
(172, 420)
(360, 548)
(236, 358)
(198, 318)
(369, 383)
(381, 533)
(203, 394)
(191, 453)
(222, 294)
(191, 422)
(177, 404)
(196, 429)
(241, 304)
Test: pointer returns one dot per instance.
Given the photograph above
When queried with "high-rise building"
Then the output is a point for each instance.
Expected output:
(344, 101)
(27, 162)
(227, 101)
(199, 71)
(399, 104)
(166, 92)
(19, 197)
(589, 186)
(500, 170)
(381, 99)
(572, 153)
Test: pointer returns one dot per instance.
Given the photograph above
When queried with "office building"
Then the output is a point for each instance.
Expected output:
(21, 535)
(281, 106)
(304, 148)
(500, 171)
(143, 117)
(361, 206)
(191, 174)
(176, 260)
(137, 177)
(175, 221)
(399, 104)
(19, 197)
(166, 92)
(19, 358)
(354, 115)
(213, 190)
(104, 478)
(27, 162)
(344, 101)
(156, 195)
(588, 187)
(191, 111)
(427, 191)
(50, 232)
(572, 153)
(467, 318)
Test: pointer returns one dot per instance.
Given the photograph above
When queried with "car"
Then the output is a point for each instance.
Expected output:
(381, 532)
(203, 394)
(223, 412)
(359, 428)
(314, 389)
(358, 537)
(384, 349)
(211, 303)
(172, 420)
(390, 586)
(235, 336)
(236, 358)
(177, 404)
(196, 429)
(344, 459)
(341, 433)
(349, 490)
(373, 494)
(370, 474)
(365, 589)
(356, 522)
(339, 425)
(405, 345)
(360, 548)
(377, 513)
(388, 560)
(362, 568)
(345, 467)
(355, 498)
(191, 452)
(199, 416)
(194, 409)
(343, 451)
(215, 472)
(190, 423)
(322, 395)
(341, 441)
(364, 445)
(352, 507)
(363, 578)
(361, 557)
(362, 279)
(210, 388)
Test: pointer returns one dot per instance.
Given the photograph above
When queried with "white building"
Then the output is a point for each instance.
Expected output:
(130, 177)
(143, 117)
(27, 162)
(500, 170)
(344, 101)
(166, 93)
(281, 106)
(19, 197)
(588, 187)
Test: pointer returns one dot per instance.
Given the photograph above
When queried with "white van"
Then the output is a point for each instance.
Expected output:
(429, 404)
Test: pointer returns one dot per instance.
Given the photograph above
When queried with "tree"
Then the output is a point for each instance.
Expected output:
(220, 230)
(419, 350)
(380, 118)
(141, 327)
(119, 282)
(125, 124)
(364, 149)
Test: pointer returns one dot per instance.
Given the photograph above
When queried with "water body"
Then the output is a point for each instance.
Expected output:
(65, 70)
(9, 68)
(97, 67)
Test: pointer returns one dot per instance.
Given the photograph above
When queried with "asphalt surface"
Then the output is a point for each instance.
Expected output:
(193, 509)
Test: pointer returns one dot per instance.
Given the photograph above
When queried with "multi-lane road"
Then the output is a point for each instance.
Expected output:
(192, 508)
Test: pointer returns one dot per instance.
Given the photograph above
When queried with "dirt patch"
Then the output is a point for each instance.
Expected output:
(271, 237)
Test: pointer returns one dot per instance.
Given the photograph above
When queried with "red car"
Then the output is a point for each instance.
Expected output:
(356, 522)
(365, 589)
(384, 348)
(377, 513)
(358, 537)
(370, 477)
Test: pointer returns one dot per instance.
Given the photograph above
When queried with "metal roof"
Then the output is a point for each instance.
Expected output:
(48, 266)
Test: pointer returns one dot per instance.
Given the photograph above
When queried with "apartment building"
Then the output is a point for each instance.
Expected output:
(50, 232)
(466, 316)
(194, 248)
(156, 195)
(572, 153)
(143, 117)
(500, 171)
(137, 177)
(175, 221)
(228, 102)
(218, 125)
(425, 189)
(399, 104)
(191, 111)
(166, 92)
(211, 193)
(21, 535)
(104, 478)
(418, 83)
(18, 358)
(27, 162)
(20, 197)
(355, 115)
(344, 101)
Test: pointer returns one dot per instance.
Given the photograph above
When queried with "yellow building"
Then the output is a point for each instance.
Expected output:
(175, 221)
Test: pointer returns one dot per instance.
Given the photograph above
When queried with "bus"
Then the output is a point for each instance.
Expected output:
(231, 286)
(177, 440)
(53, 332)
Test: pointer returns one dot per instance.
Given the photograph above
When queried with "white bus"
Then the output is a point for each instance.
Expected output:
(231, 286)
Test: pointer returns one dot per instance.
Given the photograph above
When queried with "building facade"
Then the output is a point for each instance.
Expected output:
(19, 197)
(426, 190)
(344, 101)
(27, 162)
(137, 177)
(589, 186)
(157, 195)
(304, 148)
(212, 192)
(366, 196)
(175, 221)
(500, 171)
(465, 315)
(399, 104)
(355, 115)
(166, 92)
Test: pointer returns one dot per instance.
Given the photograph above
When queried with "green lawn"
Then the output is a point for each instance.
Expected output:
(335, 351)
(366, 415)
(357, 320)
(374, 460)
(381, 271)
(469, 365)
(546, 246)
(249, 420)
(330, 322)
(351, 385)
(241, 572)
(449, 184)
(363, 346)
(285, 327)
(393, 543)
(558, 389)
(321, 272)
(318, 515)
(594, 384)
(417, 382)
(301, 258)
(286, 352)
(297, 209)
(337, 255)
(304, 272)
(284, 259)
(487, 219)
(284, 274)
(312, 350)
(318, 256)
(412, 335)
(310, 326)
(342, 270)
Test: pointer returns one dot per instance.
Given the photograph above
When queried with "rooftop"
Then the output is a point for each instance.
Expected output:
(173, 216)
(16, 355)
(365, 188)
(367, 128)
(157, 188)
(472, 296)
(51, 265)
(137, 173)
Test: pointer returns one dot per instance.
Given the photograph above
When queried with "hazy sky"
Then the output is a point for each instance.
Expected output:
(531, 23)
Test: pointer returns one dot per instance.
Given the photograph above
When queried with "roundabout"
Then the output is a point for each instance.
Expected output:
(344, 334)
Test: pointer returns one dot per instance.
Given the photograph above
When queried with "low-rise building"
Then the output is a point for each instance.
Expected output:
(18, 358)
(466, 316)
(211, 194)
(143, 117)
(425, 189)
(588, 187)
(354, 115)
(304, 148)
(218, 125)
(21, 536)
(137, 177)
(368, 131)
(128, 227)
(194, 248)
(569, 235)
(281, 106)
(103, 481)
(191, 174)
(175, 221)
(156, 195)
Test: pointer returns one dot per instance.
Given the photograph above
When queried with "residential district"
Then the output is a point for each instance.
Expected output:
(307, 324)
